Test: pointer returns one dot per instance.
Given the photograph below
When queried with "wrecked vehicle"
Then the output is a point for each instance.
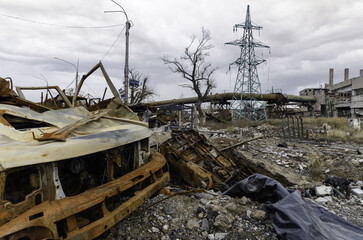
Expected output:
(71, 173)
(200, 164)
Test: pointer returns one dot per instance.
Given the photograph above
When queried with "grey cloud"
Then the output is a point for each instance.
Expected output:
(306, 39)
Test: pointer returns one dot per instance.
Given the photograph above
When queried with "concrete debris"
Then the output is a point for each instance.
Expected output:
(323, 200)
(205, 225)
(217, 236)
(249, 220)
(259, 214)
(155, 230)
(218, 222)
(192, 223)
(223, 221)
(357, 192)
(323, 191)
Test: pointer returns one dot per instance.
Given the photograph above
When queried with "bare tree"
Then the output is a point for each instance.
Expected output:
(139, 89)
(192, 67)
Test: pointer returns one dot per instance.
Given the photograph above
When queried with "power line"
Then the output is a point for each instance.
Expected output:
(113, 44)
(70, 84)
(55, 25)
(91, 90)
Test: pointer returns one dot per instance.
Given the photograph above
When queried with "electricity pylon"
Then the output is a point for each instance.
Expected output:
(247, 85)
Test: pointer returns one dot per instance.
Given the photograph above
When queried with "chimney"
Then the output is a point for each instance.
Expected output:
(346, 74)
(361, 73)
(331, 76)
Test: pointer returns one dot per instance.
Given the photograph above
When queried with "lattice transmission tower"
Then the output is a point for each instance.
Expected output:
(247, 86)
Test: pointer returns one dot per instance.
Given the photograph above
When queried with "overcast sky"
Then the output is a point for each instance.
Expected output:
(306, 39)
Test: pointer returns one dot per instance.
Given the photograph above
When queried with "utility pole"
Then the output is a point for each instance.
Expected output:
(247, 83)
(77, 74)
(126, 69)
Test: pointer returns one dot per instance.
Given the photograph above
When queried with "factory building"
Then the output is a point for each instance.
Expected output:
(343, 99)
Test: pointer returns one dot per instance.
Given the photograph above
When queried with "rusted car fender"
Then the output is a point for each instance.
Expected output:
(91, 213)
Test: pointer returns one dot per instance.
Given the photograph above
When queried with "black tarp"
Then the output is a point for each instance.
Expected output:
(291, 216)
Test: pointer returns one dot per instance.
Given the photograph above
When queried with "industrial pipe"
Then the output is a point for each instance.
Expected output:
(270, 97)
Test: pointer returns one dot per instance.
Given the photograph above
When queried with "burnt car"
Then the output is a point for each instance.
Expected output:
(71, 173)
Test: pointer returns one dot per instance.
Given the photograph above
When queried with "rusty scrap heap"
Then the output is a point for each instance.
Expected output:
(198, 163)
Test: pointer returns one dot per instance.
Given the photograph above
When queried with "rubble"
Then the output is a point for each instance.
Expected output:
(357, 192)
(242, 218)
(323, 191)
(205, 208)
(217, 222)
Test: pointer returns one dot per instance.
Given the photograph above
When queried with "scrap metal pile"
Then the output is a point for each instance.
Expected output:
(199, 163)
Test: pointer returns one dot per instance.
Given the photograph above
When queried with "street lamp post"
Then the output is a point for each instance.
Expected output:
(76, 67)
(126, 69)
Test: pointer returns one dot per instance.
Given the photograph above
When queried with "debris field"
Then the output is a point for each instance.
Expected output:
(328, 174)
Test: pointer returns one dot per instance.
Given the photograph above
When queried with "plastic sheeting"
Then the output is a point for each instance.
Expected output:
(291, 216)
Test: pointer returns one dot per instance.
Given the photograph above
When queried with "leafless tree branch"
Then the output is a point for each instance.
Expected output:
(141, 91)
(192, 67)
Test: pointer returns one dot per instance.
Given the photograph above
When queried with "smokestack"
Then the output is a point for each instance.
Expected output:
(361, 72)
(346, 74)
(331, 76)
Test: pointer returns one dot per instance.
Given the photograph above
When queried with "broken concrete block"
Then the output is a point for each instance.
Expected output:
(223, 221)
(220, 236)
(259, 215)
(192, 223)
(323, 190)
(155, 230)
(205, 225)
(357, 192)
(321, 200)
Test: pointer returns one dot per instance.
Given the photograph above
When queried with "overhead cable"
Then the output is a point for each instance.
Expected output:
(113, 44)
(56, 25)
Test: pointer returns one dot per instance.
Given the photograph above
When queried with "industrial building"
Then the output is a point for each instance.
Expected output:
(343, 99)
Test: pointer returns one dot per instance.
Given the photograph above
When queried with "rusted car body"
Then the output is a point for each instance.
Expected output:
(71, 173)
(198, 163)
